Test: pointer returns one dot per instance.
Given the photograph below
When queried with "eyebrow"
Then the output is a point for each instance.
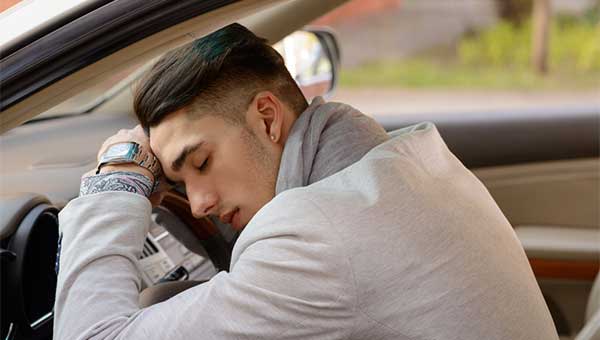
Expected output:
(178, 162)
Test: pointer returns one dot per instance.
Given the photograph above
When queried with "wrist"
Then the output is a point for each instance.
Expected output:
(127, 167)
(118, 180)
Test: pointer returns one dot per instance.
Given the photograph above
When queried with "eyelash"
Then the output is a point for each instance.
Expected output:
(203, 165)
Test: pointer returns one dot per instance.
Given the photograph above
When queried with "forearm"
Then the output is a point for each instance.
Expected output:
(99, 280)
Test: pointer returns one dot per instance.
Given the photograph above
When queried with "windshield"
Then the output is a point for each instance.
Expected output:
(91, 98)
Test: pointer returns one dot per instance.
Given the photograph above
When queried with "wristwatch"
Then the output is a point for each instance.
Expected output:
(130, 152)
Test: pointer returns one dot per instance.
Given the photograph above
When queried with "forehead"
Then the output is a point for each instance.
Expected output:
(178, 130)
(165, 133)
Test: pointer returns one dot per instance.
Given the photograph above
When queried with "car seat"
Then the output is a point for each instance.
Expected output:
(591, 328)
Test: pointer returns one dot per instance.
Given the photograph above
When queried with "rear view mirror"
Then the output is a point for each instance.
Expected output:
(312, 57)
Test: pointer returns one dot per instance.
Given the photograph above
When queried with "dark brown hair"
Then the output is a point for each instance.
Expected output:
(218, 74)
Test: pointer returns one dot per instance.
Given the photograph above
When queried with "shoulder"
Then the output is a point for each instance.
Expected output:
(293, 227)
(293, 239)
(292, 211)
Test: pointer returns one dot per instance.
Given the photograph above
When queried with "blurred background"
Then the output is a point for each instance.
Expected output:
(439, 56)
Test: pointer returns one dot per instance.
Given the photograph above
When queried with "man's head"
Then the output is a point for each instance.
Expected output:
(218, 112)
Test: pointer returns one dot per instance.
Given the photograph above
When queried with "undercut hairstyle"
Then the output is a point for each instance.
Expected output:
(219, 74)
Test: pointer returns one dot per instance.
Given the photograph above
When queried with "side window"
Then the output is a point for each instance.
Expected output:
(467, 56)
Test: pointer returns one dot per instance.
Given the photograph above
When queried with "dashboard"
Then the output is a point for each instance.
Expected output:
(29, 238)
(165, 259)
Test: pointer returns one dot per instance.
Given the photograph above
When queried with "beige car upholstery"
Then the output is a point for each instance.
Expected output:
(557, 242)
(591, 329)
(554, 193)
(593, 306)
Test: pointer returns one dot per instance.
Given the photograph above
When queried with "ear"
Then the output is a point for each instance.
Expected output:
(269, 115)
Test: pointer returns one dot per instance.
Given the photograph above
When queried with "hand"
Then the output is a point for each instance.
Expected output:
(136, 135)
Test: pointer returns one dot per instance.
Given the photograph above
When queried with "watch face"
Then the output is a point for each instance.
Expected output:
(118, 150)
(122, 152)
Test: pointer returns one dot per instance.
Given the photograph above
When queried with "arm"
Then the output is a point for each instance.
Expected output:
(289, 281)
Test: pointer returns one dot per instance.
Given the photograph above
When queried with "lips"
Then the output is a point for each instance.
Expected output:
(227, 218)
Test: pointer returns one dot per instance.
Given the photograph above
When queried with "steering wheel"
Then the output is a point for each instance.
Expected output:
(28, 267)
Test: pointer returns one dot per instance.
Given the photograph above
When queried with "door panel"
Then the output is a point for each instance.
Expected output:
(558, 193)
(554, 209)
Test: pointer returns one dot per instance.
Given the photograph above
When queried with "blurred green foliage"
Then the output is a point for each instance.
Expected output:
(427, 72)
(574, 45)
(497, 58)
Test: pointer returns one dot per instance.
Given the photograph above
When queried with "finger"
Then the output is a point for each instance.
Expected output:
(138, 129)
(123, 135)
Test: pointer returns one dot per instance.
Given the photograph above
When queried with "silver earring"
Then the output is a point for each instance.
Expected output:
(272, 137)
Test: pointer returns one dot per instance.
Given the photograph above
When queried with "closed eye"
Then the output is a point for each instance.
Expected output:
(204, 164)
(171, 183)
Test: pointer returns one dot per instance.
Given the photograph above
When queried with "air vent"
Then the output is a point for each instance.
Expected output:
(149, 249)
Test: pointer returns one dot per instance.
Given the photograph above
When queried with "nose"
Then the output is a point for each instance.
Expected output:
(202, 201)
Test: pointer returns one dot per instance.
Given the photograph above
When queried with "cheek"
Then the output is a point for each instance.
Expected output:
(242, 176)
(261, 176)
(245, 173)
(229, 171)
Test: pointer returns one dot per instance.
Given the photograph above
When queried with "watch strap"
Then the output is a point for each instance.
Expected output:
(147, 160)
(137, 155)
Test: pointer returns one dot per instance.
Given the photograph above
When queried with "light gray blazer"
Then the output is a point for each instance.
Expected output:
(404, 244)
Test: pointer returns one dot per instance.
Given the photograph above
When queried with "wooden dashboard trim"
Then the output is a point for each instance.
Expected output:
(565, 269)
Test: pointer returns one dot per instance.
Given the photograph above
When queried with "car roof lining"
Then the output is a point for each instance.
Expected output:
(272, 19)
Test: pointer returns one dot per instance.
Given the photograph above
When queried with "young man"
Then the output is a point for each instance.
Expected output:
(348, 233)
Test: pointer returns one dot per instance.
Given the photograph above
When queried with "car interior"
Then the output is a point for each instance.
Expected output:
(541, 166)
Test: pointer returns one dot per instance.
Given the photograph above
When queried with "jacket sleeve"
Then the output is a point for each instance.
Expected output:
(289, 279)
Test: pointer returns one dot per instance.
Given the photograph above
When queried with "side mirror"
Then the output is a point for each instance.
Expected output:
(313, 57)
